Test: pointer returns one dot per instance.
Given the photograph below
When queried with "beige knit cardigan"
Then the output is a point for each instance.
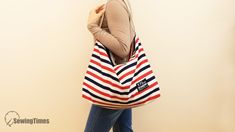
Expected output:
(116, 30)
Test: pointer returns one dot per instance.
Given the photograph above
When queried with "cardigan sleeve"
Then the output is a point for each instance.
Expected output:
(118, 40)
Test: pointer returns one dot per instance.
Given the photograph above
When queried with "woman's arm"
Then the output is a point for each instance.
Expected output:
(119, 40)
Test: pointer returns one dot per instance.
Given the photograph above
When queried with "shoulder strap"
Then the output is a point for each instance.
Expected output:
(132, 48)
(129, 9)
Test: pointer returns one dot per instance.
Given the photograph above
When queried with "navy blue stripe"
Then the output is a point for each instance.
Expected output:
(127, 80)
(101, 59)
(101, 47)
(142, 69)
(118, 102)
(103, 73)
(141, 56)
(126, 67)
(137, 47)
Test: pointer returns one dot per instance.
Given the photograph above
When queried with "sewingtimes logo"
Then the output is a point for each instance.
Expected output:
(12, 117)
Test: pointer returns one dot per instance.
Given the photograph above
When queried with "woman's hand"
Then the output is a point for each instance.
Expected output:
(95, 14)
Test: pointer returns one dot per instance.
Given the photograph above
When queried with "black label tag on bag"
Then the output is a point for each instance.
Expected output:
(141, 85)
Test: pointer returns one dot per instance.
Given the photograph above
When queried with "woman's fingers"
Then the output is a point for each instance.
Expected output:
(96, 13)
(100, 8)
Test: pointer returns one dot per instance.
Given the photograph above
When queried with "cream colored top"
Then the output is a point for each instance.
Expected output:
(116, 32)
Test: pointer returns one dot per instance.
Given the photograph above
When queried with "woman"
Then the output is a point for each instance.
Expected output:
(117, 34)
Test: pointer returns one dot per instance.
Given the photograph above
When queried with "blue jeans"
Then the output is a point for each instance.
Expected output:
(102, 120)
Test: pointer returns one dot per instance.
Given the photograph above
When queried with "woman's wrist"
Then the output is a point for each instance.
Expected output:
(93, 28)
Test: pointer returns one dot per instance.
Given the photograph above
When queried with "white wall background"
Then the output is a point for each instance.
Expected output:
(45, 47)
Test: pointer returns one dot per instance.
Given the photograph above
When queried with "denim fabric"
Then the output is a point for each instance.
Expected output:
(102, 120)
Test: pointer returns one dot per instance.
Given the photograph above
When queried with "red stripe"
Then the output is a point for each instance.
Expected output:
(102, 66)
(142, 62)
(107, 81)
(137, 40)
(141, 49)
(102, 93)
(126, 74)
(101, 53)
(117, 67)
(121, 106)
(142, 76)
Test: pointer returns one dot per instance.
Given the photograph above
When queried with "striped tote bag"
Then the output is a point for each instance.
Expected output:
(119, 86)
